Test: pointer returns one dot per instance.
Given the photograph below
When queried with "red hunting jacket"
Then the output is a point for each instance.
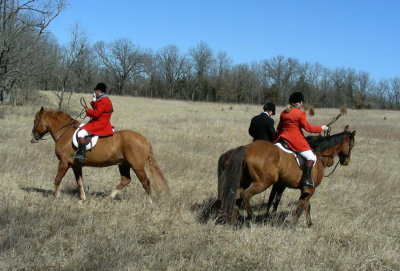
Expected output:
(100, 115)
(289, 128)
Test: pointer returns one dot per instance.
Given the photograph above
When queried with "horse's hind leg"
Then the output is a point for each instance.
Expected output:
(79, 181)
(142, 176)
(254, 188)
(124, 170)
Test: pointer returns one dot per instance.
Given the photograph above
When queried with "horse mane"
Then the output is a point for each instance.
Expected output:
(321, 143)
(59, 115)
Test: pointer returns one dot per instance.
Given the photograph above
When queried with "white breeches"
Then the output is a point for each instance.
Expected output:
(308, 155)
(82, 133)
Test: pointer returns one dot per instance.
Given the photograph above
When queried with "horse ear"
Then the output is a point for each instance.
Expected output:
(346, 129)
(353, 133)
(41, 109)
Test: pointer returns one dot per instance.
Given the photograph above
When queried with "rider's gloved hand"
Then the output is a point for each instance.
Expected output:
(324, 128)
(94, 97)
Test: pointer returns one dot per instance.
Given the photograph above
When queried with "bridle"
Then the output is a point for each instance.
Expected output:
(36, 138)
(328, 133)
(332, 157)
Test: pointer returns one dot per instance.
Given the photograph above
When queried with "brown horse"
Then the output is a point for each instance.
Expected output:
(126, 148)
(248, 170)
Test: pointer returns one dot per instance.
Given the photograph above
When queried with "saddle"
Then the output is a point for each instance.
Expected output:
(91, 140)
(283, 145)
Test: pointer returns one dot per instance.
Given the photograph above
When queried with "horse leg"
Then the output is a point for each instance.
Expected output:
(79, 181)
(307, 209)
(306, 194)
(142, 176)
(278, 197)
(253, 189)
(275, 197)
(62, 169)
(124, 170)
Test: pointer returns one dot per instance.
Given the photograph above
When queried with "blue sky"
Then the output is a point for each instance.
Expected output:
(363, 35)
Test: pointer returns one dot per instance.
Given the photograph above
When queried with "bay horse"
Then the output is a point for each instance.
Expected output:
(248, 170)
(126, 148)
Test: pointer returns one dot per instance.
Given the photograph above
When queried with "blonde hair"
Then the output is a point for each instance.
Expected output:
(288, 108)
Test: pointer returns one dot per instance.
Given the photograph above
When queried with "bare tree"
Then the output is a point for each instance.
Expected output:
(202, 58)
(280, 73)
(362, 84)
(22, 24)
(71, 59)
(122, 60)
(221, 74)
(172, 67)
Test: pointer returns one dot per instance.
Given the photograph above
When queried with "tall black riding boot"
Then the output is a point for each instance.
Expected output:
(305, 179)
(80, 154)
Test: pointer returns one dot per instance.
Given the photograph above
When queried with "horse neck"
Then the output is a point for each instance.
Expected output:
(331, 152)
(57, 124)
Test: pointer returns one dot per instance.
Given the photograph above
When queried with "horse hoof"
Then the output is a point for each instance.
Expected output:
(114, 194)
(56, 194)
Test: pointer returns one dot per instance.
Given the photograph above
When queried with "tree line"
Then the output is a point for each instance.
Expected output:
(31, 59)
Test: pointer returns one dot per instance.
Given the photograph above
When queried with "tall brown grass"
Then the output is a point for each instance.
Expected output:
(356, 212)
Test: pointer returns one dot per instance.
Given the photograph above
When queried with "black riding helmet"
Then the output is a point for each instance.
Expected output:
(269, 107)
(296, 97)
(101, 86)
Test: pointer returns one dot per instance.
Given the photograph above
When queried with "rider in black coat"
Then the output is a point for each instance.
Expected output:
(262, 126)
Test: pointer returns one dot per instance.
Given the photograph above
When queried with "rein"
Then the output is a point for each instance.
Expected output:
(328, 133)
(72, 122)
(333, 170)
(84, 105)
(58, 129)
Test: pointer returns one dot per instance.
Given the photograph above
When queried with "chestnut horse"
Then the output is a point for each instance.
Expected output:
(126, 148)
(248, 170)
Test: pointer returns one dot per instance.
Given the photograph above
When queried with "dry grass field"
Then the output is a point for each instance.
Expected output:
(356, 211)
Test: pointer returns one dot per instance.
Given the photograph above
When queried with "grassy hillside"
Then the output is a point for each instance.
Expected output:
(356, 211)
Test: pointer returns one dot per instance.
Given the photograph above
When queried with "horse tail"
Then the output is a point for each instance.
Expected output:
(160, 183)
(229, 181)
(220, 170)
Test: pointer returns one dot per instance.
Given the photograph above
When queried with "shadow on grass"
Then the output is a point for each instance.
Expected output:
(209, 210)
(44, 192)
(71, 192)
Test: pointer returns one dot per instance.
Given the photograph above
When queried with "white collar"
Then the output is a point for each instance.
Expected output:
(267, 114)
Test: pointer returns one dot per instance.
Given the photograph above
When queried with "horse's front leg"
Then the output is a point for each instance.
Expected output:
(79, 181)
(306, 194)
(274, 198)
(62, 169)
(307, 209)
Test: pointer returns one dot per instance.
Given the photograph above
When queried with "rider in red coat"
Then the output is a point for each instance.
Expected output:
(292, 121)
(99, 123)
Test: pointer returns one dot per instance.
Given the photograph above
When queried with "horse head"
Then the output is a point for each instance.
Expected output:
(39, 126)
(348, 144)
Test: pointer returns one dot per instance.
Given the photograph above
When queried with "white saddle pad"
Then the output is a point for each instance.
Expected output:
(89, 146)
(279, 145)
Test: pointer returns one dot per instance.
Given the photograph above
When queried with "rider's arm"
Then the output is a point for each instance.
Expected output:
(304, 124)
(98, 109)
